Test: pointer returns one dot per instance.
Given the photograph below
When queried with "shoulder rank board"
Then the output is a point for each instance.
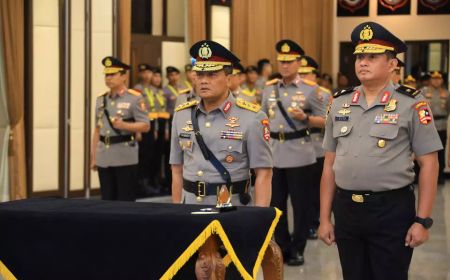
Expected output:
(409, 91)
(186, 105)
(134, 92)
(343, 92)
(272, 82)
(247, 105)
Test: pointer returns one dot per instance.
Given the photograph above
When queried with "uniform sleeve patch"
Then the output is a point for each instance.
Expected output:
(266, 129)
(423, 112)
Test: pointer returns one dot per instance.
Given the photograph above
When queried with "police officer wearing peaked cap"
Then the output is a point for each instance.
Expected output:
(293, 107)
(234, 131)
(120, 113)
(371, 134)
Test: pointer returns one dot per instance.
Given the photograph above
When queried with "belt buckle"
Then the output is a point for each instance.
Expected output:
(359, 198)
(107, 141)
(201, 193)
(281, 136)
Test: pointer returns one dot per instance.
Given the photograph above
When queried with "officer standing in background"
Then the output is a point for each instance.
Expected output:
(396, 75)
(249, 88)
(216, 133)
(173, 88)
(182, 98)
(120, 113)
(410, 81)
(287, 102)
(438, 98)
(371, 134)
(235, 85)
(157, 78)
(190, 76)
(309, 71)
(264, 72)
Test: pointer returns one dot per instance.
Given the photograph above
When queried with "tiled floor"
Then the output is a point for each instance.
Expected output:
(431, 261)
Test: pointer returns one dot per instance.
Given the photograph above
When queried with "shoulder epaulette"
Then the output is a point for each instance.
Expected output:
(324, 89)
(186, 105)
(248, 105)
(184, 91)
(101, 94)
(343, 92)
(272, 82)
(309, 82)
(409, 91)
(134, 92)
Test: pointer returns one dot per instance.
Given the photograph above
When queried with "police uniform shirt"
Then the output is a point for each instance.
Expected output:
(171, 93)
(129, 105)
(182, 98)
(302, 94)
(317, 137)
(438, 98)
(238, 137)
(374, 145)
(248, 94)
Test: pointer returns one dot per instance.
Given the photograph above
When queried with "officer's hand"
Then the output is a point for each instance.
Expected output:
(138, 136)
(326, 233)
(93, 164)
(416, 235)
(298, 114)
(118, 123)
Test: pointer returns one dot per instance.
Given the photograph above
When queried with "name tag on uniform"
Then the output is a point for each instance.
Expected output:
(386, 118)
(123, 105)
(341, 118)
(185, 135)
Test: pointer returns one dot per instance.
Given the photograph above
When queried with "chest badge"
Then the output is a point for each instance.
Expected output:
(233, 122)
(346, 105)
(381, 143)
(188, 127)
(391, 106)
(344, 111)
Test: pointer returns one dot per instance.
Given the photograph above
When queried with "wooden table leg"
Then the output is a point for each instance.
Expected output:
(209, 265)
(272, 263)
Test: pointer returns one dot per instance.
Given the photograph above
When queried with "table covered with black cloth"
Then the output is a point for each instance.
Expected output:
(89, 239)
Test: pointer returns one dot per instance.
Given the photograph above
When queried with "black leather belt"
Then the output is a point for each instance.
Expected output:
(315, 130)
(206, 189)
(439, 117)
(368, 196)
(116, 139)
(290, 135)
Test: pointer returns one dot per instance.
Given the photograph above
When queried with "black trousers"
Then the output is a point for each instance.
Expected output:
(118, 183)
(146, 154)
(166, 145)
(441, 154)
(315, 194)
(296, 183)
(371, 235)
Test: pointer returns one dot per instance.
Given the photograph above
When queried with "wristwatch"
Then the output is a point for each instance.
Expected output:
(425, 222)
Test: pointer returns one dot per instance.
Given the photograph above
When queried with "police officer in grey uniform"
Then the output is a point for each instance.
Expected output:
(120, 113)
(438, 98)
(371, 134)
(235, 132)
(309, 71)
(293, 106)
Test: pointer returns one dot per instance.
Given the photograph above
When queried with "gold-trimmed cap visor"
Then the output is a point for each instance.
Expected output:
(306, 70)
(436, 75)
(372, 48)
(203, 66)
(112, 70)
(287, 57)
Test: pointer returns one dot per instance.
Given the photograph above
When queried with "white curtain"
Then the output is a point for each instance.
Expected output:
(4, 130)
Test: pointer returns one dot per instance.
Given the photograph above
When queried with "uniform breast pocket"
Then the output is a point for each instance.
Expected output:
(341, 133)
(381, 139)
(231, 150)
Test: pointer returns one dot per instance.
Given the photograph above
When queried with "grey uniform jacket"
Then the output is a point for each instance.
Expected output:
(302, 94)
(317, 137)
(439, 100)
(374, 146)
(238, 137)
(171, 93)
(129, 105)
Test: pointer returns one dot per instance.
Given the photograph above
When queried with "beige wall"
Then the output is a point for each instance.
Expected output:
(407, 27)
(175, 17)
(45, 94)
(77, 96)
(220, 25)
(102, 34)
